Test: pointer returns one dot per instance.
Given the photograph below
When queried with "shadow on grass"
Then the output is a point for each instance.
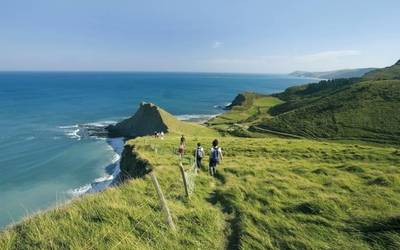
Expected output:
(383, 232)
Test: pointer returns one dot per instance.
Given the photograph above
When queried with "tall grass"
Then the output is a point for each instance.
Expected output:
(268, 194)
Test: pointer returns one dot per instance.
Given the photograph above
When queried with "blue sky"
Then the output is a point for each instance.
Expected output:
(206, 36)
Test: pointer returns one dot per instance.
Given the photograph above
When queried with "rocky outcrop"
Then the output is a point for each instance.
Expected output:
(145, 121)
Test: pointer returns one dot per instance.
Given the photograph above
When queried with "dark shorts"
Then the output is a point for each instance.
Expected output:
(213, 163)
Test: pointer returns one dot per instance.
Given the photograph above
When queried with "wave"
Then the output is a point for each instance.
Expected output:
(101, 183)
(96, 130)
(92, 129)
(223, 107)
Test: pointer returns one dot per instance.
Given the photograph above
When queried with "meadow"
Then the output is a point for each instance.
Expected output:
(270, 193)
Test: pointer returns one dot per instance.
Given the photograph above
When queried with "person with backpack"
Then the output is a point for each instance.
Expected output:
(215, 157)
(198, 155)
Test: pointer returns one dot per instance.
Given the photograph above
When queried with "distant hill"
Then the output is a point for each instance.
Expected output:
(150, 118)
(389, 73)
(365, 108)
(335, 74)
(244, 99)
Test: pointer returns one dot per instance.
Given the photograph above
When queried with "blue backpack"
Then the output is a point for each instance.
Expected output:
(215, 155)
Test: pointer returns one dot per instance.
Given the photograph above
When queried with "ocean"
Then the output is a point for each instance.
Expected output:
(45, 157)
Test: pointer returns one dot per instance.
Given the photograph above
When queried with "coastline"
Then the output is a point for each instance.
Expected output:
(117, 145)
(112, 171)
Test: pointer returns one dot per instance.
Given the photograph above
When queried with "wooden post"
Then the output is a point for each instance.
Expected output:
(163, 202)
(185, 185)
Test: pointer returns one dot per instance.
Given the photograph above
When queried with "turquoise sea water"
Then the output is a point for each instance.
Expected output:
(44, 161)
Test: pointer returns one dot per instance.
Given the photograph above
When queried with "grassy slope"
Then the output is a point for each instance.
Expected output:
(177, 127)
(237, 120)
(388, 73)
(127, 217)
(364, 108)
(270, 193)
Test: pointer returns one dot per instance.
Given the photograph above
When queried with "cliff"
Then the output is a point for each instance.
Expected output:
(145, 121)
(132, 165)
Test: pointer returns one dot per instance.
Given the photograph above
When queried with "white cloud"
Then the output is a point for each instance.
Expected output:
(217, 44)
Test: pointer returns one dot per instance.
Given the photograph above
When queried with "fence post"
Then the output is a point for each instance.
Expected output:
(163, 202)
(184, 179)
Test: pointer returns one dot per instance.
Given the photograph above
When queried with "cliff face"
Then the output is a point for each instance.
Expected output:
(145, 121)
(132, 165)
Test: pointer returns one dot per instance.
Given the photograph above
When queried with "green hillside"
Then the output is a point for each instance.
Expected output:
(269, 194)
(246, 109)
(365, 108)
(389, 73)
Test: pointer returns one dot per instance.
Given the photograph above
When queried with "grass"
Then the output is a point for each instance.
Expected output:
(237, 120)
(269, 193)
(125, 217)
(388, 73)
(364, 108)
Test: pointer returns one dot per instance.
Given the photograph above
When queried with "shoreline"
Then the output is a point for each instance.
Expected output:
(112, 170)
(80, 132)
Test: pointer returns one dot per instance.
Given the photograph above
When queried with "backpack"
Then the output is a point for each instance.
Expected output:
(199, 153)
(215, 155)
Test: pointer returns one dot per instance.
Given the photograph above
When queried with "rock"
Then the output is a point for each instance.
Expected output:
(145, 121)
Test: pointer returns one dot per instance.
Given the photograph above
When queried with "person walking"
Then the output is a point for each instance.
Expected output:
(215, 157)
(198, 155)
(181, 149)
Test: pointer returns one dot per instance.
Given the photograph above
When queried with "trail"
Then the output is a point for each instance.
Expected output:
(231, 215)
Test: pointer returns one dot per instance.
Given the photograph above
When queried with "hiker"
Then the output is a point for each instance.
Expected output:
(181, 149)
(162, 135)
(198, 155)
(215, 157)
(183, 140)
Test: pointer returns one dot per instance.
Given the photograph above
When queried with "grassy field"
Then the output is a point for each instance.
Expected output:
(270, 193)
(237, 120)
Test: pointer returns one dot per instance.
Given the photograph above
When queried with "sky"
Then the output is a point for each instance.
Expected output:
(249, 36)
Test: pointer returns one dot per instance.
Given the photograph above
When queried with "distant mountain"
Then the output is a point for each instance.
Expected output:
(335, 74)
(363, 108)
